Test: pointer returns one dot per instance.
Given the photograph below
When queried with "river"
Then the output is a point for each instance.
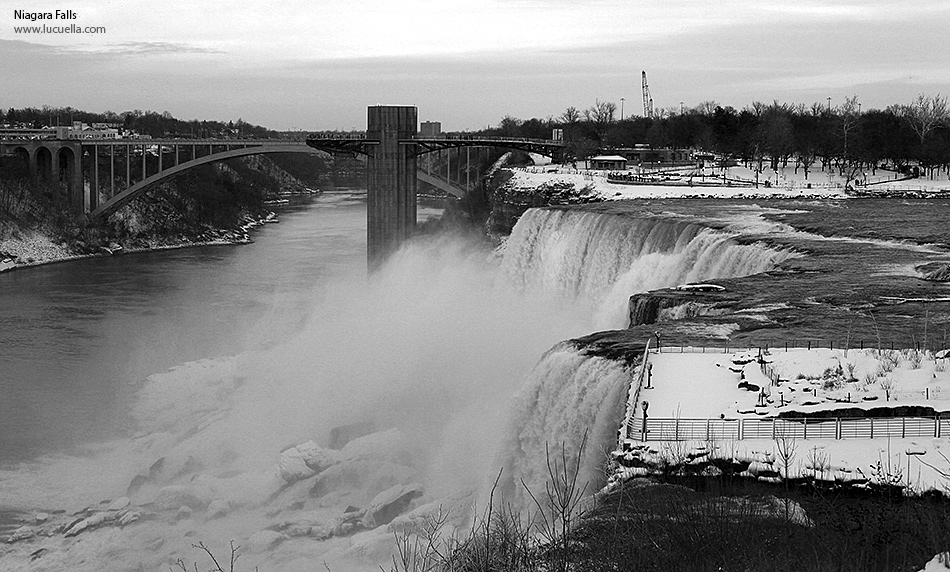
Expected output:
(211, 361)
(78, 338)
(196, 392)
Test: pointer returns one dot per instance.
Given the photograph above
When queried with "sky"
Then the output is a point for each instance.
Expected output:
(317, 64)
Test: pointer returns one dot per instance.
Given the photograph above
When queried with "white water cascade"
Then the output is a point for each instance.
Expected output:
(436, 352)
(568, 396)
(600, 260)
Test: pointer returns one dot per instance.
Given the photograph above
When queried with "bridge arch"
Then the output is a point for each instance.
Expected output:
(121, 199)
(43, 158)
(23, 160)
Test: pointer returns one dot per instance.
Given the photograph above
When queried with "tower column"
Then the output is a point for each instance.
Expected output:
(390, 180)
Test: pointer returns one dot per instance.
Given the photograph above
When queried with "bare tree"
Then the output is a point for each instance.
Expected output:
(707, 107)
(571, 115)
(601, 114)
(850, 114)
(925, 114)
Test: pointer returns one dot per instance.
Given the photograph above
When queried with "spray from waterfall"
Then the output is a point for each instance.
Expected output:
(437, 355)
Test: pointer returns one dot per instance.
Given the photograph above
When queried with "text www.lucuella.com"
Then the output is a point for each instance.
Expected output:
(55, 22)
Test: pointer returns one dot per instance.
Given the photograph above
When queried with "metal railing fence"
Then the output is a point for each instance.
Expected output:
(677, 429)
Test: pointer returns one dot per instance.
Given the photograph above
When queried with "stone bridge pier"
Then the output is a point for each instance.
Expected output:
(54, 162)
(391, 179)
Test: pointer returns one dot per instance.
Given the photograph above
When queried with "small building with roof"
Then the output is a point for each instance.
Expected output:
(607, 162)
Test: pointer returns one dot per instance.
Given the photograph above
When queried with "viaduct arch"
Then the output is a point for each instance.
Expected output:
(121, 199)
(391, 146)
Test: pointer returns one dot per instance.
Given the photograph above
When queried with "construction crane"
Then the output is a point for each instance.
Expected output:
(647, 100)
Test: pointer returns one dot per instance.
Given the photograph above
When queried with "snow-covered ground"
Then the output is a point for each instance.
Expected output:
(783, 183)
(699, 386)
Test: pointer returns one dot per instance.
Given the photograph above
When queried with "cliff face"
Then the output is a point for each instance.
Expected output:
(663, 305)
(207, 204)
(509, 200)
(202, 203)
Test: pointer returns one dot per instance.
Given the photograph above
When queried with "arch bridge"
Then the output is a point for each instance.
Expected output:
(391, 147)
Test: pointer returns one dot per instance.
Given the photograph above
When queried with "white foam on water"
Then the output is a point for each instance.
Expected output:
(439, 351)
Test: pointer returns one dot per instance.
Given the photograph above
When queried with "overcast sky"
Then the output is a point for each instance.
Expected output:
(317, 64)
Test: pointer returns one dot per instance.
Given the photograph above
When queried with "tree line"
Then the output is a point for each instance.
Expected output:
(846, 137)
(150, 123)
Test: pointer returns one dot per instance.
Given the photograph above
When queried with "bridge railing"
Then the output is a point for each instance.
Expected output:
(337, 136)
(463, 137)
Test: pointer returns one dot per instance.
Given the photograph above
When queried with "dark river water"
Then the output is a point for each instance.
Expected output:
(78, 338)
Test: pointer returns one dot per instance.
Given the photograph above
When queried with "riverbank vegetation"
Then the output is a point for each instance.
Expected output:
(699, 524)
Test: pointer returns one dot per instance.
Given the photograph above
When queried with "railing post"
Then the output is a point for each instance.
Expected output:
(937, 427)
(805, 428)
(837, 428)
(903, 427)
(707, 430)
(676, 429)
(872, 426)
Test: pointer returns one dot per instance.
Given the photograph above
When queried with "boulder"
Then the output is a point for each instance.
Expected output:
(389, 504)
(316, 457)
(264, 540)
(172, 497)
(118, 504)
(21, 533)
(91, 522)
(935, 271)
(340, 436)
(292, 468)
(218, 508)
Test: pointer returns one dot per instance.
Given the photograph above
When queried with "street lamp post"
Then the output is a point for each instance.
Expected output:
(621, 109)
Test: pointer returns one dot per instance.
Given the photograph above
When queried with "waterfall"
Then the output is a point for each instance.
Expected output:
(600, 260)
(567, 396)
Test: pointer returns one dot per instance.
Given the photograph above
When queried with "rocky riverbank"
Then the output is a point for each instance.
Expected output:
(35, 247)
(217, 204)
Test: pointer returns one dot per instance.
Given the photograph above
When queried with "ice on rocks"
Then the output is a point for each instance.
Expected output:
(218, 508)
(390, 503)
(292, 468)
(119, 504)
(304, 461)
(264, 540)
(316, 457)
(21, 533)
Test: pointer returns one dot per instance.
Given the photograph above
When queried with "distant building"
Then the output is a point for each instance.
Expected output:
(557, 134)
(430, 128)
(80, 130)
(607, 162)
(644, 154)
(77, 130)
(10, 132)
